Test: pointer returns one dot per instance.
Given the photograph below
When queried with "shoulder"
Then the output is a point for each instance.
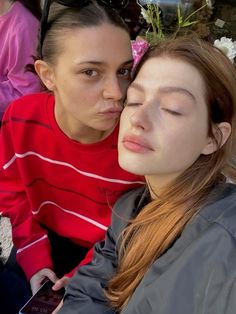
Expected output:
(28, 105)
(211, 236)
(222, 212)
(214, 226)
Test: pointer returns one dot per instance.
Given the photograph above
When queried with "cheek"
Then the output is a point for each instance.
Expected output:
(124, 120)
(188, 148)
(85, 96)
(188, 140)
(192, 130)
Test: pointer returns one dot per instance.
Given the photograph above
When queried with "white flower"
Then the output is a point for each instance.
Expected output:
(145, 15)
(227, 46)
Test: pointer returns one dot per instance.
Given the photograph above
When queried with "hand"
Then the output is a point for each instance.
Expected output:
(58, 285)
(38, 278)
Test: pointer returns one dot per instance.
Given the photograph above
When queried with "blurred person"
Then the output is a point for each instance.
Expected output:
(19, 26)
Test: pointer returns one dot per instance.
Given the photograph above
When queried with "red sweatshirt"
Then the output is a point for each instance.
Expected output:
(47, 178)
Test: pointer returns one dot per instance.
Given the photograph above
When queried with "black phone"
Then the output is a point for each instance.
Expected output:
(44, 301)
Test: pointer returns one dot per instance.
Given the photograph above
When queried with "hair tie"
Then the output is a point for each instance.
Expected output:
(139, 47)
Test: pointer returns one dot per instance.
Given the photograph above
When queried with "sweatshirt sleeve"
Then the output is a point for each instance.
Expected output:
(85, 291)
(22, 47)
(30, 239)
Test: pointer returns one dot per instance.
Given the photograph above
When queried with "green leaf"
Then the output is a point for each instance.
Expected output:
(188, 23)
(180, 18)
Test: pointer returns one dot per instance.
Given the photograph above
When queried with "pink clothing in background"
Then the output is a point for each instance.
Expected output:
(18, 43)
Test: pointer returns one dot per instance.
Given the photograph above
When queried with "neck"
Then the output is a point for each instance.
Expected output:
(158, 183)
(88, 137)
(5, 6)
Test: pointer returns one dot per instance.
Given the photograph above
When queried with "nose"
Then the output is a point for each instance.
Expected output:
(142, 118)
(112, 89)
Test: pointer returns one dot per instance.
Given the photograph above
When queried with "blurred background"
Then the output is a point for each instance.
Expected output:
(217, 22)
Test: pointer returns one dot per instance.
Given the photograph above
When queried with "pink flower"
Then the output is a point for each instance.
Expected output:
(139, 47)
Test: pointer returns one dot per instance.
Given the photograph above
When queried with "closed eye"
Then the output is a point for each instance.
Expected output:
(173, 112)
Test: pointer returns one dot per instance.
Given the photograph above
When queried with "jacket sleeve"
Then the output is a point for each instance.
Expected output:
(85, 291)
(30, 239)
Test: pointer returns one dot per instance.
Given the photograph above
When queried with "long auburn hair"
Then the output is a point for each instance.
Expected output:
(160, 222)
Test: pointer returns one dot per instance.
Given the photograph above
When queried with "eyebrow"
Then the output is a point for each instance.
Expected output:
(167, 89)
(129, 62)
(175, 89)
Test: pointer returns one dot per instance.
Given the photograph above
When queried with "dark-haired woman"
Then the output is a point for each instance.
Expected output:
(59, 169)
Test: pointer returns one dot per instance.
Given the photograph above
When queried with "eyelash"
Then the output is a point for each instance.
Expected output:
(128, 73)
(175, 113)
(86, 72)
(172, 112)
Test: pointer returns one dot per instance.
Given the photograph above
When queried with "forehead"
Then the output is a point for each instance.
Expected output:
(99, 42)
(166, 71)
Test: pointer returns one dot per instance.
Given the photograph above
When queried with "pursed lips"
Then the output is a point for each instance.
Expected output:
(113, 110)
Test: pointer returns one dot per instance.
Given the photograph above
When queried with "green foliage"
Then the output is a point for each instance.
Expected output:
(156, 31)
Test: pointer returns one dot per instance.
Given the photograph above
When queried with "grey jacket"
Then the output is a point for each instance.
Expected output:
(197, 275)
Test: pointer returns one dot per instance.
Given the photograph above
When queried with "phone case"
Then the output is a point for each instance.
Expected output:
(44, 301)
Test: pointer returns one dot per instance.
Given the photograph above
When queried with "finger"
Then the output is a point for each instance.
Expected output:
(60, 283)
(51, 275)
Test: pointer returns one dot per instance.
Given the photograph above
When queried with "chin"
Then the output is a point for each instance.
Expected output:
(131, 166)
(110, 126)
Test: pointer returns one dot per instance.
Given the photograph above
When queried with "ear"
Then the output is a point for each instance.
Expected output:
(46, 74)
(221, 132)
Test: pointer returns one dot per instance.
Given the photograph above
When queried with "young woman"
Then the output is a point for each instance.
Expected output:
(59, 168)
(19, 26)
(176, 239)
